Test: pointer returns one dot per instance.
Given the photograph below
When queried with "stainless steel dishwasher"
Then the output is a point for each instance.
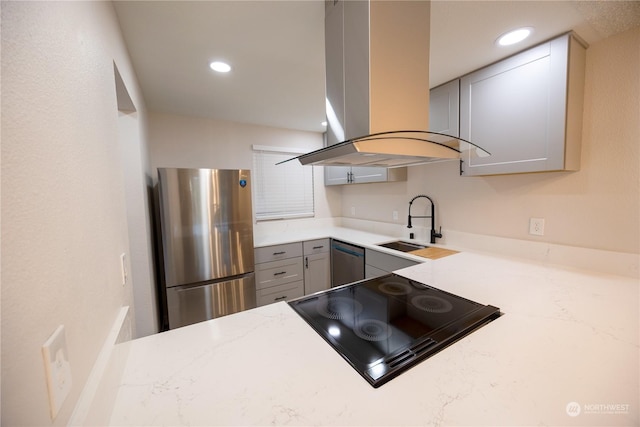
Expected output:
(347, 263)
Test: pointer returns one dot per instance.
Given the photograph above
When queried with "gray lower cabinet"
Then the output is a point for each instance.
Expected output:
(444, 108)
(379, 263)
(526, 110)
(317, 266)
(279, 273)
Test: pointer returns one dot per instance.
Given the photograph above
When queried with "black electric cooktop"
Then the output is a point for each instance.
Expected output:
(386, 325)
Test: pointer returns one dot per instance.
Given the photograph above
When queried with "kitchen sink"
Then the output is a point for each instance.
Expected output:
(402, 246)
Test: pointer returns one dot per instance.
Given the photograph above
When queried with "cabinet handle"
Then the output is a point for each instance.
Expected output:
(318, 247)
(279, 273)
(306, 262)
(280, 253)
(280, 298)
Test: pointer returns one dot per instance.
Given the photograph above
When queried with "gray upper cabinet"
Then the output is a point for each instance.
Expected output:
(444, 108)
(347, 74)
(340, 175)
(526, 110)
(337, 175)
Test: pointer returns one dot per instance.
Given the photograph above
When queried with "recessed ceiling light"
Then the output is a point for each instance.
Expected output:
(221, 67)
(514, 36)
(323, 123)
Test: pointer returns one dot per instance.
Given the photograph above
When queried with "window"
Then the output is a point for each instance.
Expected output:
(281, 191)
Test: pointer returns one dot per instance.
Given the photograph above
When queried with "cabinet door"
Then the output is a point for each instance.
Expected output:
(363, 175)
(371, 272)
(386, 262)
(516, 110)
(339, 175)
(336, 175)
(444, 108)
(317, 273)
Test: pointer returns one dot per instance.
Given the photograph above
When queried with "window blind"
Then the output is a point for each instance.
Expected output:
(281, 191)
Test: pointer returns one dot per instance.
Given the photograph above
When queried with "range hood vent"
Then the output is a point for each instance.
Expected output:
(393, 149)
(377, 58)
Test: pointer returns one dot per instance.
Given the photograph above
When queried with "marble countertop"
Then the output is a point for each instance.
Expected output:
(362, 238)
(565, 352)
(358, 237)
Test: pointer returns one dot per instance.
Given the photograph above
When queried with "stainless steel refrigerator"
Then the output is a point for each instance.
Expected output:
(206, 226)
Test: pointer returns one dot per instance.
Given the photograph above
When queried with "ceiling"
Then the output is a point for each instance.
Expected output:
(276, 49)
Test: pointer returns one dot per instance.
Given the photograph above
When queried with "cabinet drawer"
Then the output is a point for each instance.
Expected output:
(316, 246)
(387, 262)
(275, 273)
(284, 292)
(273, 253)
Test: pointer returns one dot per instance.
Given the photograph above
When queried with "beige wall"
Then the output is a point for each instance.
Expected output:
(192, 142)
(64, 215)
(597, 207)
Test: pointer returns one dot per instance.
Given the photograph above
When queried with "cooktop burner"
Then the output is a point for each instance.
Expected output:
(386, 325)
(372, 330)
(431, 303)
(395, 288)
(336, 307)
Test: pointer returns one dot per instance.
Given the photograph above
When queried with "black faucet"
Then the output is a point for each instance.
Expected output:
(434, 235)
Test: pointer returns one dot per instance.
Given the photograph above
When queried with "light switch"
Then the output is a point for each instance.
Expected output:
(57, 369)
(123, 268)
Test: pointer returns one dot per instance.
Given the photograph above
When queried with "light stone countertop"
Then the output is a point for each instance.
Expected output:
(567, 344)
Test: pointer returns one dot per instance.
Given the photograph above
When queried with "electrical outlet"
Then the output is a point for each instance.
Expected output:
(395, 215)
(536, 226)
(57, 369)
(353, 210)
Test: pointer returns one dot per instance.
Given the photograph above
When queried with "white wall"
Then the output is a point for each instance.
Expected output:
(597, 207)
(64, 215)
(193, 142)
(139, 204)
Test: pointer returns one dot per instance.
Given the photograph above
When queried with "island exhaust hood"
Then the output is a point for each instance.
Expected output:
(377, 62)
(393, 149)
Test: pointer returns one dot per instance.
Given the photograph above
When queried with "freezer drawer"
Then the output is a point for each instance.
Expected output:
(192, 304)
